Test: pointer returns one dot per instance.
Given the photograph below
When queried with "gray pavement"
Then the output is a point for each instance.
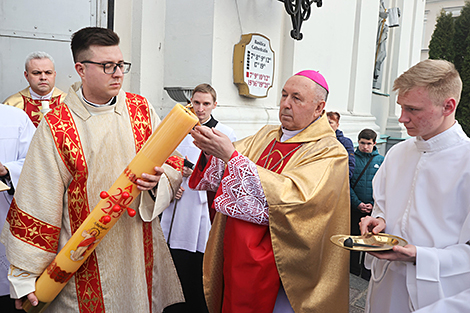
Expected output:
(357, 294)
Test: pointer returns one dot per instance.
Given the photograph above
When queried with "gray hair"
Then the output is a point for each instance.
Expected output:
(37, 55)
(321, 93)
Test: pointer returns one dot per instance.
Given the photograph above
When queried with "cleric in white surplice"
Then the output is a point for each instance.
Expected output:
(16, 132)
(422, 194)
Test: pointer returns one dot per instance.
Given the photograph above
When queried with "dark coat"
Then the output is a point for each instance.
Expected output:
(348, 145)
(363, 190)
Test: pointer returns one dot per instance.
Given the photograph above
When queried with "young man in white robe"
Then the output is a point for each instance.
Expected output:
(455, 304)
(421, 194)
(186, 222)
(16, 132)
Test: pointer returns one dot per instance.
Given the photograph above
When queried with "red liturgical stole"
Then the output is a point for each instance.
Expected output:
(251, 278)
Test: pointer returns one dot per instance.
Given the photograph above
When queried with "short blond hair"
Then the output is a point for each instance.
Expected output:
(439, 77)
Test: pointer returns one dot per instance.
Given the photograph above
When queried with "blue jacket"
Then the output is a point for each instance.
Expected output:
(347, 143)
(363, 190)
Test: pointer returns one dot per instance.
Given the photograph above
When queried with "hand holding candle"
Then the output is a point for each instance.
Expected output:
(112, 205)
(213, 142)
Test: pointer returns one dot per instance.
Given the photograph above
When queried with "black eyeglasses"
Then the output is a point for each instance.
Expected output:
(110, 67)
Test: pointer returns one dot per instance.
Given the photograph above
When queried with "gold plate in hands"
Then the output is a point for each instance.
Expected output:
(381, 242)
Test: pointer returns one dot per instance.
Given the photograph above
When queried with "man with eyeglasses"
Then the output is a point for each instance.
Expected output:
(41, 94)
(90, 140)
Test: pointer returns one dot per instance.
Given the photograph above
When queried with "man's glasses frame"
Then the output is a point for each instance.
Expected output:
(110, 67)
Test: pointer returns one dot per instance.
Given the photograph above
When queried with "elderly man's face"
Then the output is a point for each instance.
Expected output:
(298, 107)
(40, 76)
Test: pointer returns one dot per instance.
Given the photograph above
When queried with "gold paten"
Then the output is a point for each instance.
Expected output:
(383, 242)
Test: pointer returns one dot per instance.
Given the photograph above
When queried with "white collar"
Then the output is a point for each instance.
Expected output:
(444, 140)
(288, 134)
(35, 96)
(97, 109)
(110, 102)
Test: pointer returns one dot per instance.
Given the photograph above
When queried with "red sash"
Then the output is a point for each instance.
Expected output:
(33, 108)
(139, 114)
(251, 279)
(45, 236)
(67, 140)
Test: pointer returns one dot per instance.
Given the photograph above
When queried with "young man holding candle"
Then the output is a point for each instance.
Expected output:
(281, 194)
(186, 222)
(41, 93)
(91, 139)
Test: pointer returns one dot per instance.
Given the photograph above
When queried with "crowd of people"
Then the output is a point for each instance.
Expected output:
(246, 225)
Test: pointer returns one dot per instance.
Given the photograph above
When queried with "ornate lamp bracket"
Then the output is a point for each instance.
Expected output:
(299, 11)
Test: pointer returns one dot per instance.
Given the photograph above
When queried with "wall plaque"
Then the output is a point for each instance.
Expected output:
(253, 65)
